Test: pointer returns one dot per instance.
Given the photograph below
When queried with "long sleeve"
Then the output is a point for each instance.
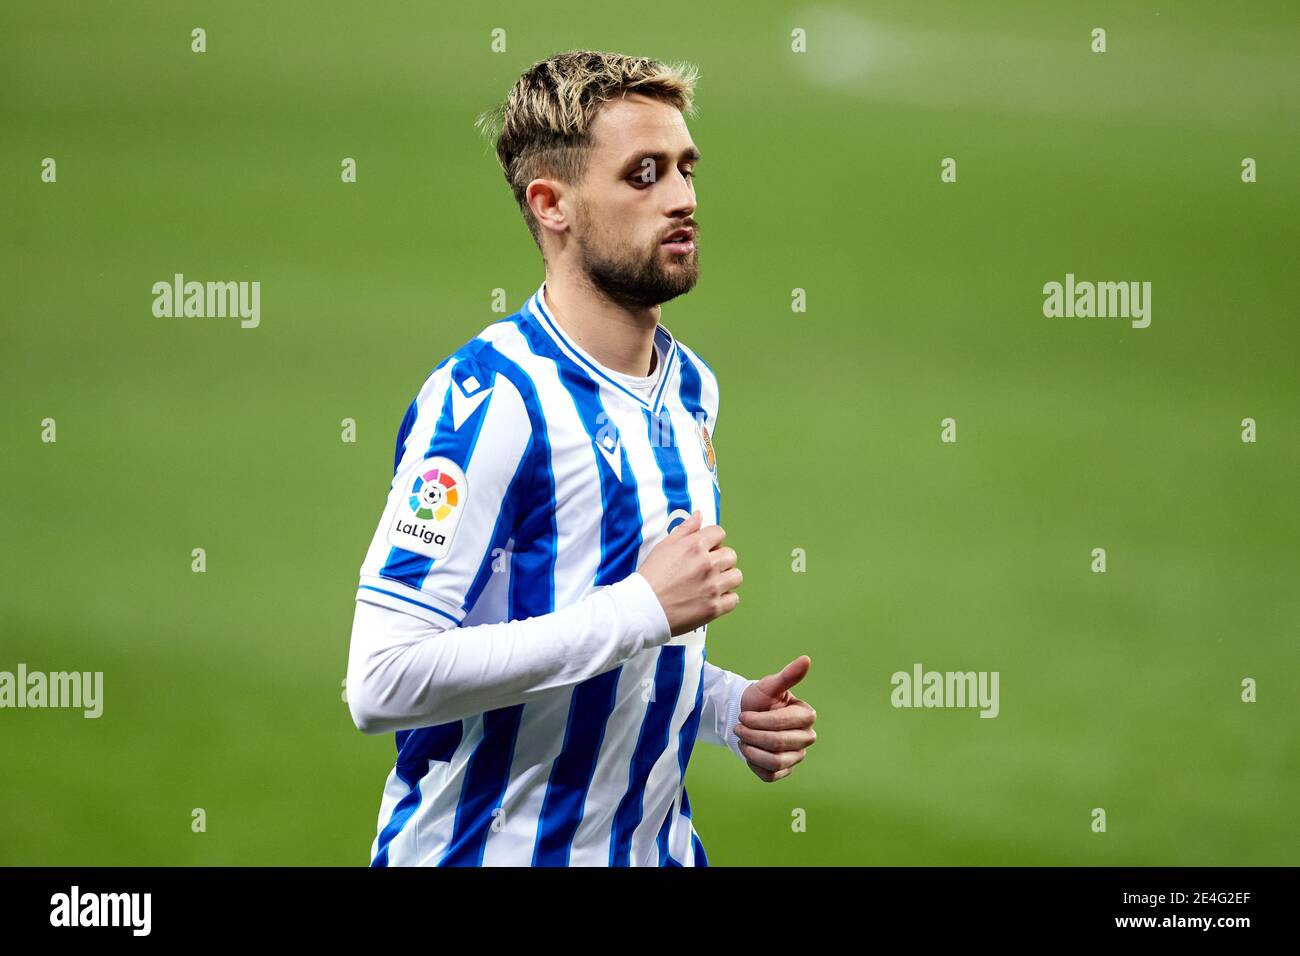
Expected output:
(721, 710)
(406, 671)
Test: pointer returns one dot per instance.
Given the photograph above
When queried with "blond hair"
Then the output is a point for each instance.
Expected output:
(543, 128)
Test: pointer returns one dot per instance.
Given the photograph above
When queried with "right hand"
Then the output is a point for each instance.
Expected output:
(694, 577)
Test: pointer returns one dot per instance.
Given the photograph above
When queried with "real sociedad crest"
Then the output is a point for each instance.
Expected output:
(710, 461)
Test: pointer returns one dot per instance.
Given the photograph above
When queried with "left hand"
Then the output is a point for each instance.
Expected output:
(775, 727)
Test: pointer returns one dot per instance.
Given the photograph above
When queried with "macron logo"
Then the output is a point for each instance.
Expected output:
(609, 446)
(465, 398)
(102, 909)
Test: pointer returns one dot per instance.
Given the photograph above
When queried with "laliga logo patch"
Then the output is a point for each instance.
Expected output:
(709, 460)
(433, 494)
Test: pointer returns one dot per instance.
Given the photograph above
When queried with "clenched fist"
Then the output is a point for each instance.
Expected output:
(693, 575)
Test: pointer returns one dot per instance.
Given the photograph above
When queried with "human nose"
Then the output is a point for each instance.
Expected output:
(682, 198)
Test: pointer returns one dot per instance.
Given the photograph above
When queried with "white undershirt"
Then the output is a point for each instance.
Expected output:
(643, 385)
(406, 672)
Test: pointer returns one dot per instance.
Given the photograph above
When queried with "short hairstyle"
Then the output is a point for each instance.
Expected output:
(543, 128)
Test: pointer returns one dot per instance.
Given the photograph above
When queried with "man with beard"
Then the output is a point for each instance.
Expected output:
(532, 610)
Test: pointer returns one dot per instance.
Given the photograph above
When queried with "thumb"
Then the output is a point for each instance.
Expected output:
(690, 524)
(774, 685)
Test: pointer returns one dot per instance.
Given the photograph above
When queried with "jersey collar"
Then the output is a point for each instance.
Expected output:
(542, 314)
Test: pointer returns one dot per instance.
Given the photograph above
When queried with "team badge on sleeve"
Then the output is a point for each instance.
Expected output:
(710, 460)
(429, 499)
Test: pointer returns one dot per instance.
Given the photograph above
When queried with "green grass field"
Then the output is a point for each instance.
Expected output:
(822, 172)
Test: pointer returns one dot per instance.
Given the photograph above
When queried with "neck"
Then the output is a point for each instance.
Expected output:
(615, 335)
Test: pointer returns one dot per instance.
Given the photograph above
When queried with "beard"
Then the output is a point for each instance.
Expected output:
(638, 278)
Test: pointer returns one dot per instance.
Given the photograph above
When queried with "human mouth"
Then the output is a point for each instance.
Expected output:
(680, 242)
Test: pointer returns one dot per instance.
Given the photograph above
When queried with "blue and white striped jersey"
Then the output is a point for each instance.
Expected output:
(526, 476)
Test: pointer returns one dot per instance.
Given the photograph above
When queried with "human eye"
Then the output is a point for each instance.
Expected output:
(644, 174)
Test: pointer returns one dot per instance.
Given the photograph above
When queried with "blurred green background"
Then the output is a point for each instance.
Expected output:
(1118, 690)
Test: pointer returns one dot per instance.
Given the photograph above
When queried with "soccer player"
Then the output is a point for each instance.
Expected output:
(532, 610)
